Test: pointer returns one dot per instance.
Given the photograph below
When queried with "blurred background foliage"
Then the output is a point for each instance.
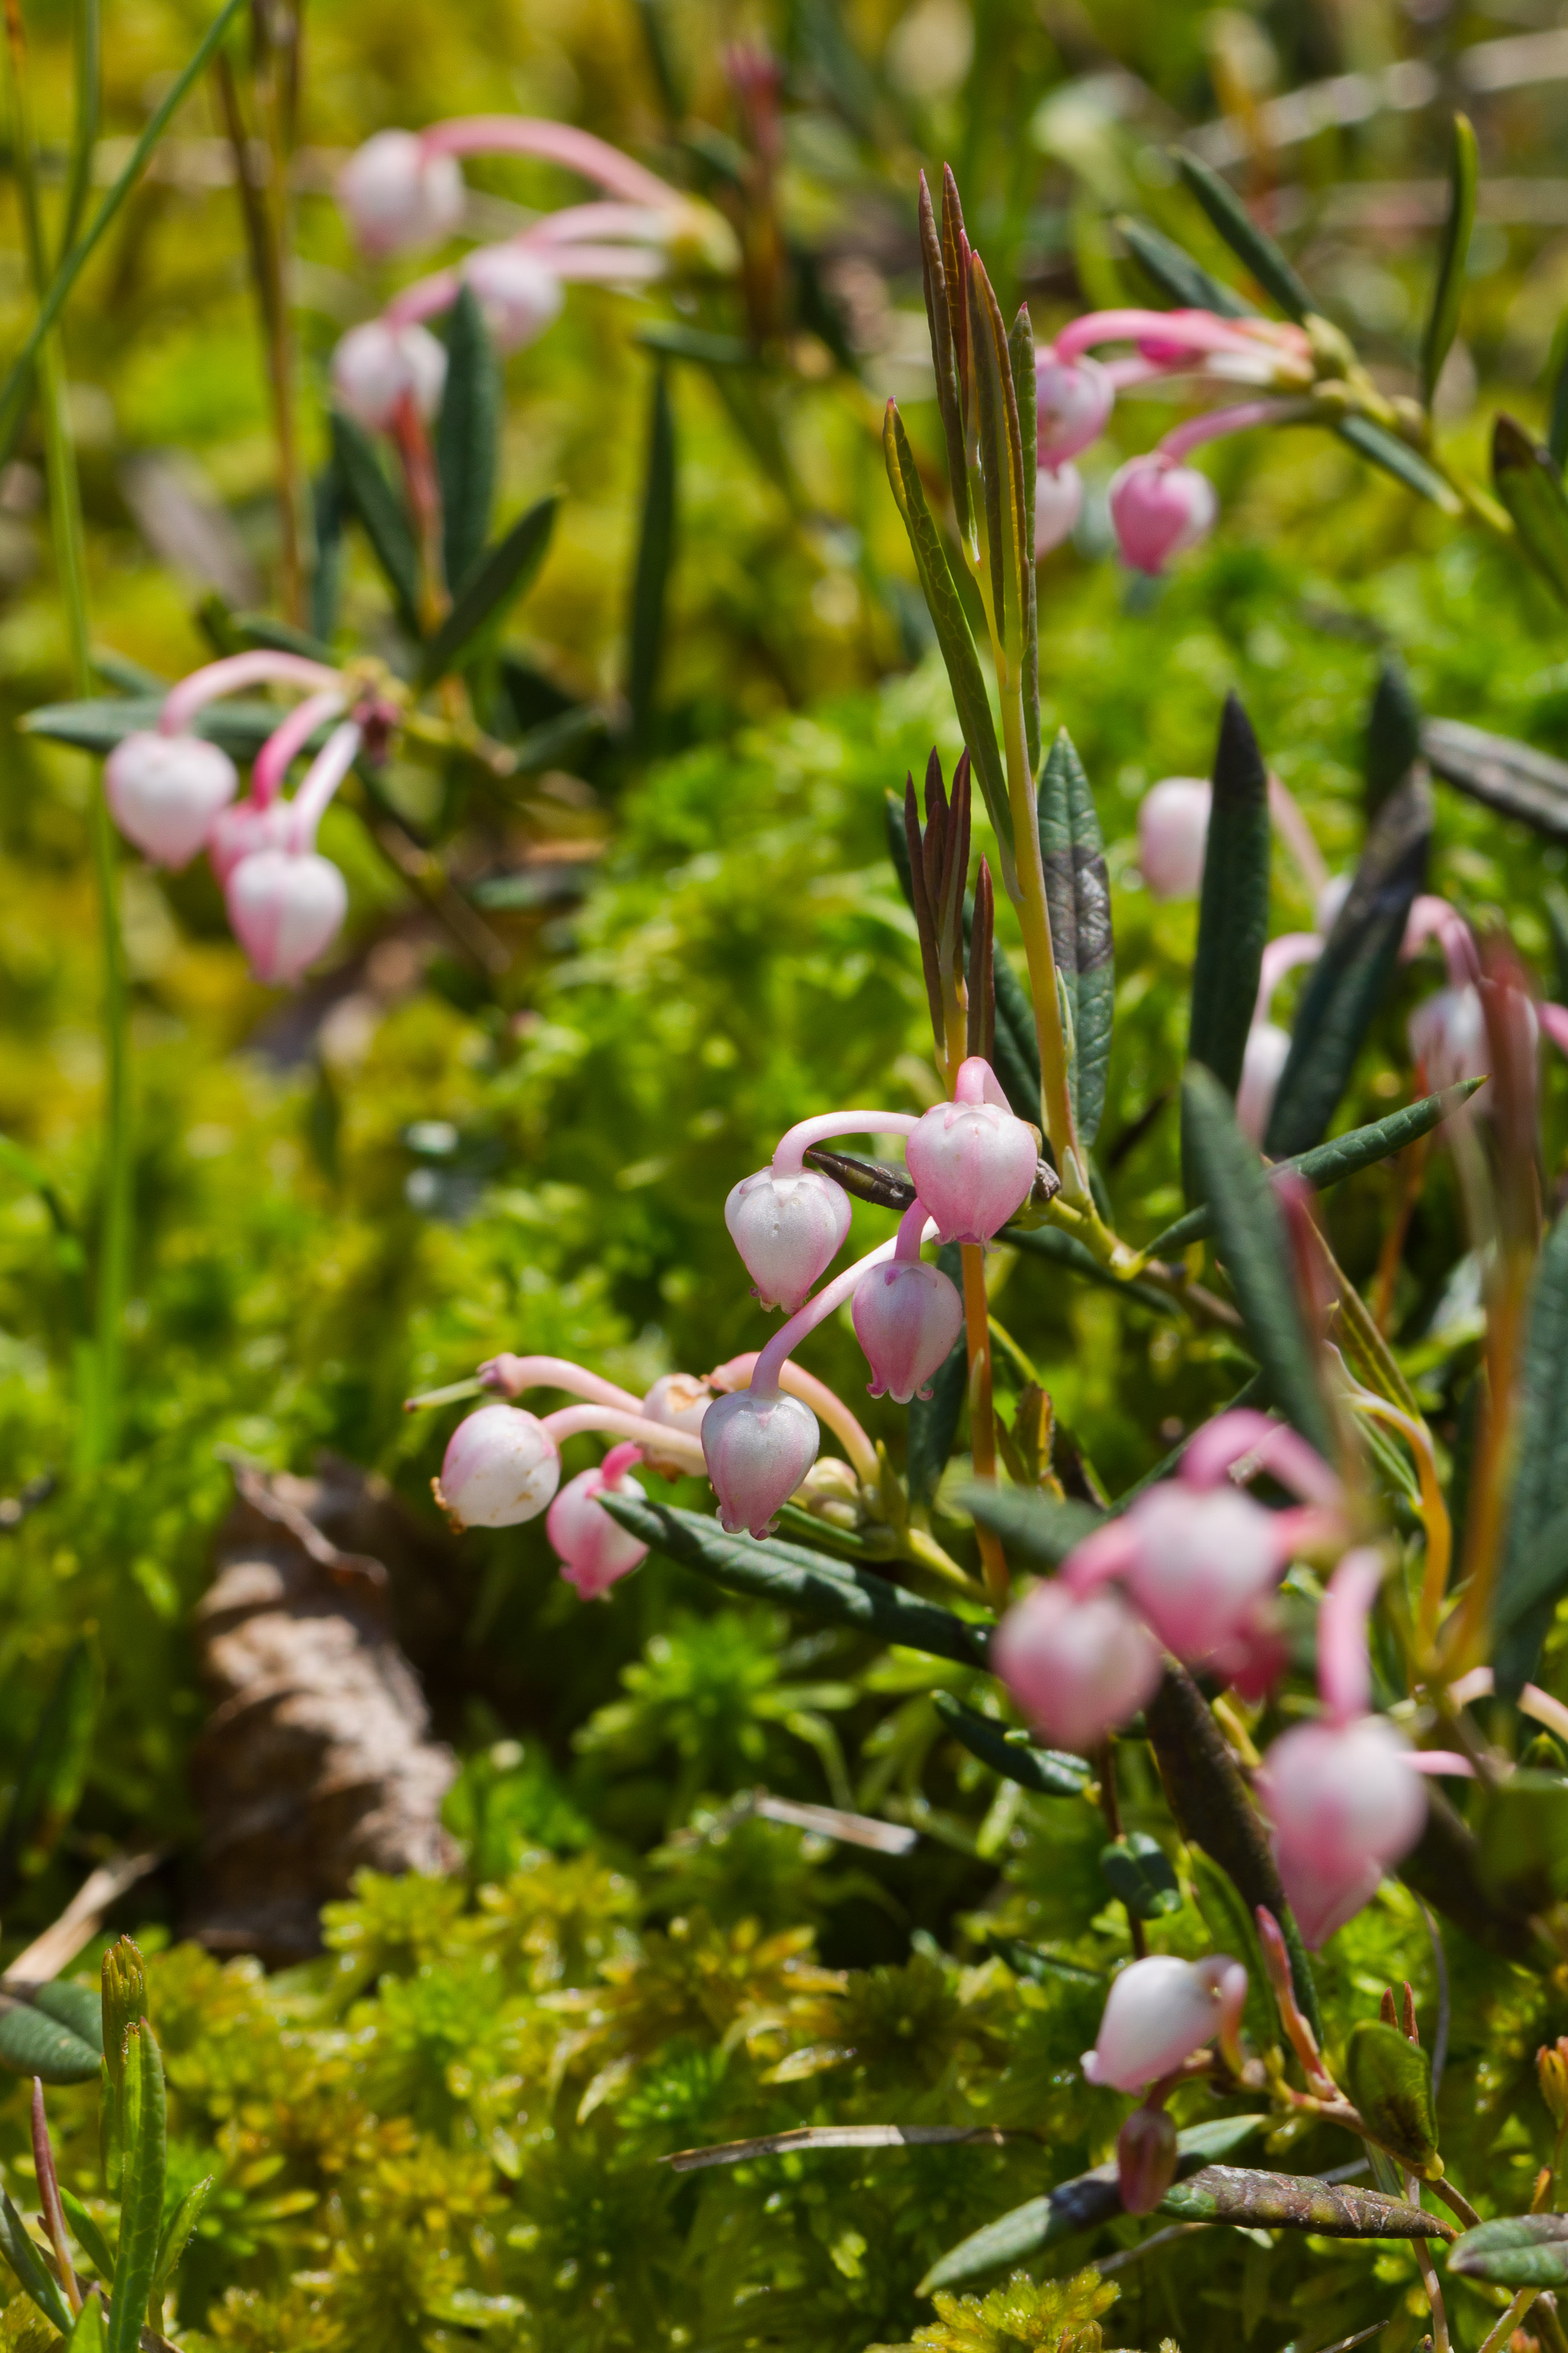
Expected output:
(362, 1190)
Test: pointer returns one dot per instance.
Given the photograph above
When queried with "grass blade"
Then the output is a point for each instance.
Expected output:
(1251, 247)
(1449, 287)
(1530, 483)
(656, 551)
(1540, 1494)
(505, 572)
(468, 439)
(1078, 891)
(381, 515)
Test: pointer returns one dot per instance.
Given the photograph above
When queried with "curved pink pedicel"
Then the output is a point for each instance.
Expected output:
(795, 1142)
(264, 666)
(1214, 1451)
(676, 1445)
(510, 1376)
(285, 744)
(555, 143)
(321, 781)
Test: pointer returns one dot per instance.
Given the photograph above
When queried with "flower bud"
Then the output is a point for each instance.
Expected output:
(377, 367)
(285, 908)
(593, 1549)
(1551, 2074)
(1145, 2159)
(397, 196)
(676, 1401)
(1173, 835)
(164, 791)
(1345, 1802)
(1158, 508)
(788, 1231)
(1073, 400)
(831, 1492)
(907, 1317)
(758, 1449)
(973, 1164)
(1059, 502)
(502, 1466)
(1158, 2012)
(1200, 1564)
(1448, 1037)
(519, 296)
(1076, 1668)
(1262, 1067)
(242, 829)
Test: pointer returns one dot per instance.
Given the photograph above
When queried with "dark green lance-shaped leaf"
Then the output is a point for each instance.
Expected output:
(1233, 912)
(1515, 779)
(1080, 2204)
(1522, 1828)
(1140, 1874)
(1021, 353)
(328, 514)
(1065, 1249)
(1342, 1156)
(1294, 2201)
(1387, 451)
(1189, 285)
(177, 2235)
(1078, 892)
(939, 296)
(1449, 287)
(51, 2031)
(1527, 1592)
(1258, 252)
(1515, 2251)
(1017, 1042)
(795, 1578)
(1233, 1930)
(1250, 1237)
(933, 1420)
(1042, 1529)
(1350, 976)
(142, 2195)
(1048, 1772)
(98, 725)
(656, 554)
(1392, 744)
(124, 2004)
(468, 439)
(954, 635)
(30, 2268)
(89, 2234)
(380, 513)
(504, 573)
(49, 1783)
(1529, 482)
(1389, 2079)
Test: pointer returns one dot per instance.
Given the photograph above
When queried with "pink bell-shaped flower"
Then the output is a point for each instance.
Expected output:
(788, 1231)
(1073, 401)
(595, 1551)
(1076, 1668)
(1173, 835)
(1262, 1067)
(1345, 1802)
(1159, 2011)
(1059, 502)
(758, 1449)
(973, 1160)
(164, 791)
(379, 366)
(907, 1317)
(519, 296)
(502, 1466)
(676, 1401)
(396, 196)
(285, 908)
(1159, 509)
(241, 829)
(1200, 1564)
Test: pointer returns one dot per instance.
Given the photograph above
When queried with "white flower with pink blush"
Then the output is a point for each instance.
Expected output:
(1159, 2011)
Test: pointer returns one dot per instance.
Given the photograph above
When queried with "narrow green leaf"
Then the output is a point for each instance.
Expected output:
(1529, 482)
(50, 2030)
(1534, 1573)
(1250, 245)
(50, 1782)
(1048, 1772)
(944, 363)
(1352, 976)
(1233, 912)
(124, 2004)
(1521, 1828)
(89, 2234)
(1189, 285)
(1557, 426)
(1514, 2251)
(1140, 1876)
(1387, 451)
(1042, 1529)
(1392, 744)
(656, 554)
(1017, 1041)
(31, 2270)
(1021, 355)
(381, 515)
(1449, 286)
(327, 515)
(795, 1578)
(1066, 1250)
(1078, 891)
(705, 349)
(953, 635)
(141, 2200)
(1513, 778)
(1389, 2079)
(468, 439)
(504, 573)
(1294, 2201)
(933, 1420)
(97, 724)
(1001, 460)
(177, 2233)
(87, 2337)
(261, 630)
(1251, 1240)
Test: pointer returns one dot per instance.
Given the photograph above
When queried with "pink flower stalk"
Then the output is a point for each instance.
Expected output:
(556, 142)
(907, 1316)
(164, 791)
(502, 1466)
(262, 667)
(973, 1160)
(1269, 1045)
(1173, 835)
(384, 365)
(1169, 339)
(398, 193)
(1059, 502)
(1075, 1667)
(1073, 400)
(1159, 509)
(595, 1552)
(512, 1377)
(286, 904)
(1159, 2011)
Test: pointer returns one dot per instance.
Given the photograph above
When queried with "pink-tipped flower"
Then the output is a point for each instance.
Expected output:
(1345, 1802)
(397, 195)
(1059, 502)
(788, 1231)
(973, 1160)
(502, 1466)
(676, 1401)
(758, 1449)
(1076, 1668)
(243, 828)
(1073, 401)
(907, 1317)
(164, 791)
(1196, 1562)
(378, 366)
(1146, 2157)
(285, 908)
(519, 296)
(1159, 2011)
(1262, 1067)
(595, 1551)
(1159, 509)
(1173, 835)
